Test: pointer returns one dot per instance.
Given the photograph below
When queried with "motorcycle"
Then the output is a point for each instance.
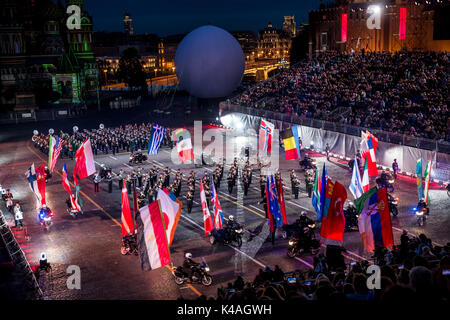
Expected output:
(293, 230)
(296, 246)
(129, 246)
(421, 212)
(199, 275)
(74, 213)
(308, 163)
(393, 202)
(221, 236)
(351, 219)
(388, 183)
(46, 220)
(137, 158)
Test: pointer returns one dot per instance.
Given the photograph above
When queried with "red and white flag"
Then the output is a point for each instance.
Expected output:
(171, 209)
(127, 221)
(265, 136)
(281, 202)
(217, 208)
(85, 160)
(66, 186)
(369, 145)
(40, 177)
(207, 221)
(152, 239)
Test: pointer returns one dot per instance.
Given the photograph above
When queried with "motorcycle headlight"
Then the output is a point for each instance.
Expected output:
(291, 242)
(311, 226)
(239, 230)
(47, 219)
(391, 181)
(207, 269)
(419, 213)
(394, 202)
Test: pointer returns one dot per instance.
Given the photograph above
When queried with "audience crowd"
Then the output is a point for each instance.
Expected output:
(404, 92)
(414, 271)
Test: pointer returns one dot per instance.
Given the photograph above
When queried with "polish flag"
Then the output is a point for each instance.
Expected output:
(127, 221)
(206, 215)
(85, 160)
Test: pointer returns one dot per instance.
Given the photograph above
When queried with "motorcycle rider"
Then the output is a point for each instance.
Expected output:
(44, 213)
(189, 265)
(303, 220)
(421, 205)
(230, 226)
(395, 168)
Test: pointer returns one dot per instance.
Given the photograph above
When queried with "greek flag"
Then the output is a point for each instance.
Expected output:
(156, 139)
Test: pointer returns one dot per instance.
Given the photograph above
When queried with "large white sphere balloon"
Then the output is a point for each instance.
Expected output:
(209, 62)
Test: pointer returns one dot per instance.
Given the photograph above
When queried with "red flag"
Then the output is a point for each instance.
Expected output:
(40, 177)
(206, 215)
(127, 222)
(75, 179)
(334, 223)
(385, 218)
(281, 202)
(268, 213)
(85, 160)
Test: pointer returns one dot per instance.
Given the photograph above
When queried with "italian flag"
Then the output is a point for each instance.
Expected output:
(365, 179)
(84, 158)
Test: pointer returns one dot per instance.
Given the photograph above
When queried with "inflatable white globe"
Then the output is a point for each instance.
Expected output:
(209, 62)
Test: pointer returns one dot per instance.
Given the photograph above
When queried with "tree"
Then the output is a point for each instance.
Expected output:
(131, 71)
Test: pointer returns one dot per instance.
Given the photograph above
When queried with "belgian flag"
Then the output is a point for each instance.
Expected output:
(291, 143)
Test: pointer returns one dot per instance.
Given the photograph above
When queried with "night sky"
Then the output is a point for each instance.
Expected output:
(180, 16)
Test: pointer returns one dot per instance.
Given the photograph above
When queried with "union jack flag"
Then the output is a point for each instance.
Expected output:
(217, 209)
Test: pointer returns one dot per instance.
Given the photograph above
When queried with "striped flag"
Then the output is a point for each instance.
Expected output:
(184, 145)
(171, 209)
(427, 178)
(419, 179)
(127, 221)
(291, 143)
(207, 221)
(265, 137)
(66, 186)
(316, 193)
(156, 138)
(355, 184)
(54, 149)
(152, 240)
(365, 179)
(217, 209)
(32, 180)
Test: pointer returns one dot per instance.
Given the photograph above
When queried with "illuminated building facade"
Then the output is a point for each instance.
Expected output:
(289, 26)
(389, 25)
(128, 24)
(40, 59)
(273, 44)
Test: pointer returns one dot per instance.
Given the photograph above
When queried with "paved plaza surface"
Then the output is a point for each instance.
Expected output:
(93, 240)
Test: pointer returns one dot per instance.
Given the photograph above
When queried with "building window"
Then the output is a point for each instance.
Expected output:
(323, 39)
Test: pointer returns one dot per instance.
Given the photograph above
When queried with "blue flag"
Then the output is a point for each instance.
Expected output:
(323, 191)
(272, 204)
(156, 138)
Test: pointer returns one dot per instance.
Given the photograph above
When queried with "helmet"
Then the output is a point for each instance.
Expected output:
(405, 231)
(43, 256)
(231, 218)
(303, 213)
(44, 206)
(188, 255)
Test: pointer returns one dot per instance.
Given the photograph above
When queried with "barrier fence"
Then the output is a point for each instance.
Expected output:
(18, 258)
(401, 139)
(344, 141)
